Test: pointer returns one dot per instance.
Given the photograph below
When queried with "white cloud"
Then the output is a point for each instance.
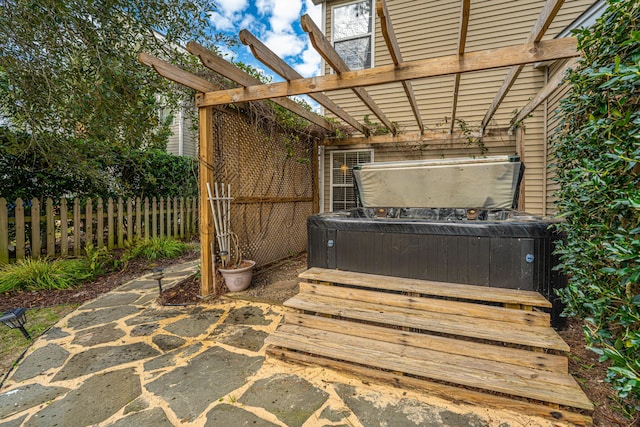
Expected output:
(264, 6)
(284, 44)
(230, 7)
(227, 14)
(315, 12)
(284, 13)
(222, 23)
(310, 62)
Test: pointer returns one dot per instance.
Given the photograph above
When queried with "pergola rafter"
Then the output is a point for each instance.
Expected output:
(549, 12)
(326, 50)
(284, 70)
(235, 74)
(465, 11)
(396, 56)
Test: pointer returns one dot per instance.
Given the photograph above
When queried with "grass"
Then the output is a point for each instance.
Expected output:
(12, 343)
(158, 247)
(36, 274)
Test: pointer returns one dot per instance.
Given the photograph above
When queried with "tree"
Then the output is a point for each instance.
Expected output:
(70, 79)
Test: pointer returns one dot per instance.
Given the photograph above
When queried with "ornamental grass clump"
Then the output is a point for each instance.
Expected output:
(597, 152)
(44, 274)
(155, 248)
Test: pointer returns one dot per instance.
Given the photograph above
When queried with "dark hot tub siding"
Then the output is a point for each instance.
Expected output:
(477, 253)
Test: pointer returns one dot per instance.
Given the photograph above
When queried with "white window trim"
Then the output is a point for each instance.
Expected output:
(371, 34)
(331, 185)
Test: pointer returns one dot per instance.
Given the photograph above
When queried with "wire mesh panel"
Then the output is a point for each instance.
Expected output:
(271, 178)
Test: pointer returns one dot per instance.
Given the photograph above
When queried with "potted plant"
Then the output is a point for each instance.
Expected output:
(236, 271)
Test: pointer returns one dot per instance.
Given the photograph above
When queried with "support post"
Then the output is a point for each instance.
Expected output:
(205, 174)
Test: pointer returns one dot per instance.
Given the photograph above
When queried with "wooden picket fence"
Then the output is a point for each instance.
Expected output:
(67, 228)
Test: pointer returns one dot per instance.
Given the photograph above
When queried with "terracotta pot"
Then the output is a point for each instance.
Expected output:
(238, 279)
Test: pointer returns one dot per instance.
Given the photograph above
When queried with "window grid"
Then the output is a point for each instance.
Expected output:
(352, 33)
(342, 163)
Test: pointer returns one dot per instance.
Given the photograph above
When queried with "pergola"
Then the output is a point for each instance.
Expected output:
(514, 58)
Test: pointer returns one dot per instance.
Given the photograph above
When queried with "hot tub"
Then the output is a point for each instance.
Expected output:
(452, 220)
(503, 249)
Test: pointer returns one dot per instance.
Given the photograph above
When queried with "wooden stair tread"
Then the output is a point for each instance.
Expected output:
(445, 391)
(517, 316)
(530, 359)
(428, 287)
(453, 324)
(518, 381)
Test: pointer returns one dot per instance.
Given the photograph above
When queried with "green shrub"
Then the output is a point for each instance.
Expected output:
(158, 247)
(598, 168)
(44, 274)
(101, 260)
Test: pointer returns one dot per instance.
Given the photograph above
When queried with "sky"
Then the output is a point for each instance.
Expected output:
(277, 24)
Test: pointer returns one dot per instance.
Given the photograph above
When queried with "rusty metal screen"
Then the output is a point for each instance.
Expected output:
(272, 183)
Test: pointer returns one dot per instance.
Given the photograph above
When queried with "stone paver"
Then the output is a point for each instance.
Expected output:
(97, 359)
(90, 318)
(292, 399)
(97, 399)
(194, 325)
(98, 335)
(230, 415)
(115, 299)
(239, 336)
(41, 360)
(209, 376)
(405, 412)
(154, 417)
(122, 360)
(20, 398)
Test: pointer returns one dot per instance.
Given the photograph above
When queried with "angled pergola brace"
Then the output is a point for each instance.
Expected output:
(394, 50)
(549, 12)
(326, 50)
(233, 73)
(284, 70)
(446, 65)
(465, 11)
(544, 93)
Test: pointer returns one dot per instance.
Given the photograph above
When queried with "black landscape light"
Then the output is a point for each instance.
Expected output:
(158, 274)
(16, 318)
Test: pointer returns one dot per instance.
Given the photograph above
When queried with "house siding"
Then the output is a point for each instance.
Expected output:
(429, 29)
(189, 137)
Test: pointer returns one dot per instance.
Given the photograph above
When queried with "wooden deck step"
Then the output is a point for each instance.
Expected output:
(433, 334)
(428, 287)
(515, 316)
(507, 355)
(488, 375)
(462, 395)
(453, 324)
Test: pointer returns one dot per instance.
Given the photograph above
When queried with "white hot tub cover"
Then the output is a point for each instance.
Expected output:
(488, 183)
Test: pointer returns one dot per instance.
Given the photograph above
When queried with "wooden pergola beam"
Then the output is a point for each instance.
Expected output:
(465, 11)
(284, 70)
(544, 93)
(549, 12)
(233, 73)
(446, 65)
(394, 50)
(326, 50)
(416, 138)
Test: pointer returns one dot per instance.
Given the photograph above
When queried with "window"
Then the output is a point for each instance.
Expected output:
(342, 163)
(353, 33)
